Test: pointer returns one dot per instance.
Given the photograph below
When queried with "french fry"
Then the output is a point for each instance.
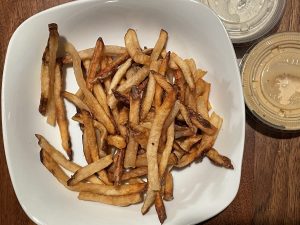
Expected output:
(60, 112)
(160, 44)
(148, 97)
(89, 170)
(91, 101)
(95, 63)
(118, 173)
(134, 173)
(75, 100)
(185, 70)
(134, 49)
(101, 97)
(201, 123)
(53, 47)
(160, 208)
(86, 148)
(218, 159)
(186, 116)
(149, 201)
(167, 150)
(116, 140)
(124, 200)
(180, 82)
(45, 83)
(155, 132)
(169, 186)
(187, 143)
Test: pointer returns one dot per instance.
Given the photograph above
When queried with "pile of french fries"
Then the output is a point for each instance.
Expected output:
(142, 113)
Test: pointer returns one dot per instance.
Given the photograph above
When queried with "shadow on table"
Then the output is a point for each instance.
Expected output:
(266, 130)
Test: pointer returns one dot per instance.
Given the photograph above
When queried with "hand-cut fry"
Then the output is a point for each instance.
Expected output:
(87, 54)
(167, 150)
(158, 90)
(201, 123)
(123, 98)
(148, 97)
(124, 200)
(75, 100)
(137, 172)
(125, 87)
(185, 70)
(90, 169)
(206, 143)
(218, 159)
(169, 186)
(187, 132)
(160, 208)
(181, 85)
(116, 140)
(53, 47)
(192, 66)
(134, 49)
(105, 72)
(124, 116)
(149, 201)
(60, 112)
(100, 137)
(155, 132)
(101, 97)
(187, 143)
(45, 82)
(160, 44)
(95, 63)
(118, 173)
(186, 116)
(86, 148)
(132, 71)
(91, 101)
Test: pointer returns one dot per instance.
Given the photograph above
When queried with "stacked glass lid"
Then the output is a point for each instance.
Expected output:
(247, 20)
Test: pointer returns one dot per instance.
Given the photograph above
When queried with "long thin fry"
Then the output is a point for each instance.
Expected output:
(167, 150)
(101, 97)
(155, 132)
(60, 112)
(75, 100)
(118, 173)
(218, 159)
(95, 63)
(160, 44)
(90, 169)
(45, 83)
(53, 47)
(149, 201)
(160, 208)
(134, 49)
(91, 101)
(125, 200)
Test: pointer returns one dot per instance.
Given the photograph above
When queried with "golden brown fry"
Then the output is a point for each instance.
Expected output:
(60, 112)
(148, 97)
(158, 90)
(187, 143)
(160, 44)
(125, 87)
(111, 67)
(138, 172)
(53, 47)
(134, 114)
(207, 142)
(167, 150)
(186, 116)
(124, 200)
(89, 170)
(149, 201)
(45, 82)
(160, 208)
(134, 49)
(169, 186)
(116, 140)
(91, 101)
(100, 137)
(118, 173)
(95, 63)
(87, 54)
(202, 101)
(219, 160)
(192, 66)
(86, 148)
(185, 70)
(75, 100)
(181, 85)
(155, 132)
(201, 123)
(101, 97)
(184, 133)
(124, 116)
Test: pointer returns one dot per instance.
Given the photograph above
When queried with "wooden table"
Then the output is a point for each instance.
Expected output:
(270, 184)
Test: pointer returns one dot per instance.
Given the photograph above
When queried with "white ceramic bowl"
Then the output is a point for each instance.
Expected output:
(201, 191)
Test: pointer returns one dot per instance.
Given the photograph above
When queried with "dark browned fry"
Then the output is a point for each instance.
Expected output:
(169, 186)
(218, 159)
(201, 123)
(124, 98)
(119, 166)
(181, 85)
(95, 63)
(60, 112)
(160, 208)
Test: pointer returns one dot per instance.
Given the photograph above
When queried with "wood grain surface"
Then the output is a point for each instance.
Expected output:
(269, 190)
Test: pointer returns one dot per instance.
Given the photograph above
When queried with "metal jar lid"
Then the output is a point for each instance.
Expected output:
(247, 20)
(271, 80)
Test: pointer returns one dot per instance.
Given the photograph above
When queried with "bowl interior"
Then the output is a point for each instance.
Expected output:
(202, 190)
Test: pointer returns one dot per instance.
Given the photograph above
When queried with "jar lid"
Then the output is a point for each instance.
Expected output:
(271, 80)
(247, 20)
